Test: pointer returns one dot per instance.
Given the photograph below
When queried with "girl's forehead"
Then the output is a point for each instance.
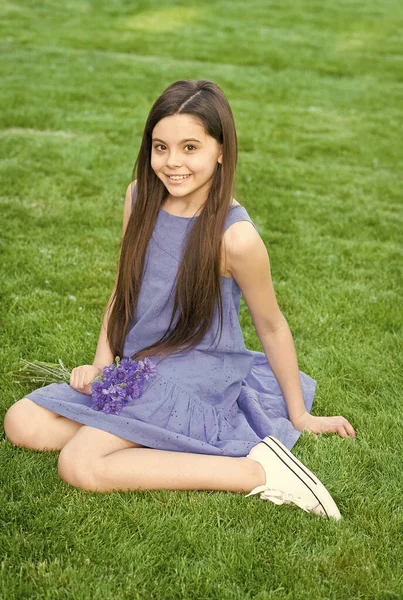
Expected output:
(179, 127)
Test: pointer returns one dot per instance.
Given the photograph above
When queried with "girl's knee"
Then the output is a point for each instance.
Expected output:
(77, 469)
(21, 423)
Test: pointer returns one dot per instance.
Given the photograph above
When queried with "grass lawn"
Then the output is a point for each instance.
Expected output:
(317, 94)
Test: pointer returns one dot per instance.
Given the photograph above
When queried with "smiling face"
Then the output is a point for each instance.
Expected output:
(184, 157)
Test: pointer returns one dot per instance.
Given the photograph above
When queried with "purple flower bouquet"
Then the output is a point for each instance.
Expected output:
(120, 384)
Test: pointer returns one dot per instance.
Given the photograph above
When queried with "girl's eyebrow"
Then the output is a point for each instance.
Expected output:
(181, 142)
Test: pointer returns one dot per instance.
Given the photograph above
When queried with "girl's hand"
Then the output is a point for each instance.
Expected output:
(313, 424)
(82, 377)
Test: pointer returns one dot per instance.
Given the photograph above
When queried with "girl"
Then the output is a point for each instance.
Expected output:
(216, 416)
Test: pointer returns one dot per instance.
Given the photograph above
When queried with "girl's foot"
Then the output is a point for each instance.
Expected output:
(289, 481)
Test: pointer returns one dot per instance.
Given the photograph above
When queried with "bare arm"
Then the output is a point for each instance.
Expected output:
(279, 349)
(82, 377)
(103, 354)
(248, 262)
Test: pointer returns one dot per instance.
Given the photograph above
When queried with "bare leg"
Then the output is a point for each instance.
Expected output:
(149, 469)
(29, 425)
(99, 461)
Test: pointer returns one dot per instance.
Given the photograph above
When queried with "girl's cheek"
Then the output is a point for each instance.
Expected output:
(156, 163)
(195, 164)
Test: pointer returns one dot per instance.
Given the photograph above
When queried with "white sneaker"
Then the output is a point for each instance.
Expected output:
(289, 481)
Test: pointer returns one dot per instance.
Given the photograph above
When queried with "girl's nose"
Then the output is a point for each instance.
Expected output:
(173, 161)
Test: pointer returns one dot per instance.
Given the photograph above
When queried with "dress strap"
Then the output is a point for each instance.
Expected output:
(237, 213)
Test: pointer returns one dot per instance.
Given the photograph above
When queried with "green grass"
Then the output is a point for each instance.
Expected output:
(317, 94)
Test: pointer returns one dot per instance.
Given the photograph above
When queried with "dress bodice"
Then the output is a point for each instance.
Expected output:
(211, 367)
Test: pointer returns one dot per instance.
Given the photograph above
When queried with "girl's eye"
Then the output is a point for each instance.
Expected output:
(158, 146)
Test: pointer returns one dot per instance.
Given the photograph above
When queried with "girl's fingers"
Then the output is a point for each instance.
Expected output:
(338, 425)
(349, 428)
(346, 430)
(341, 431)
(81, 381)
(78, 379)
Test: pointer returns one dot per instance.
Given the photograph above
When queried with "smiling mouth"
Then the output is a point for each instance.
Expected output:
(178, 177)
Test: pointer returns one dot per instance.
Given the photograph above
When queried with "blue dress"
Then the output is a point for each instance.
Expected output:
(214, 399)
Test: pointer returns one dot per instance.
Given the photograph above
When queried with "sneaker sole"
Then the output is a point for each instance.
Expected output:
(315, 486)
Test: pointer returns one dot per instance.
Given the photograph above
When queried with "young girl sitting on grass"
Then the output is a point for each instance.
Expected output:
(216, 416)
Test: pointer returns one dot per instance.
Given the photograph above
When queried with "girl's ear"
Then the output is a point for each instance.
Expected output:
(219, 159)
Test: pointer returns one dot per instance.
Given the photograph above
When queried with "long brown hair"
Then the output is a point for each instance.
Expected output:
(198, 279)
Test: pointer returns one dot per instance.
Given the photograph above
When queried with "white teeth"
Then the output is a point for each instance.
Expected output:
(178, 176)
